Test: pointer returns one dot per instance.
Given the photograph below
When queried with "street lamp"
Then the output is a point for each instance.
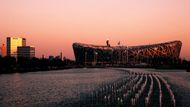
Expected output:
(85, 57)
(126, 57)
(96, 56)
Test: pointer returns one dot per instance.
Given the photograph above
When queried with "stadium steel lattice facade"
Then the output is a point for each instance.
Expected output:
(92, 54)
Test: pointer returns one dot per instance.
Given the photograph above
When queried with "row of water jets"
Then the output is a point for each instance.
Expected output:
(135, 89)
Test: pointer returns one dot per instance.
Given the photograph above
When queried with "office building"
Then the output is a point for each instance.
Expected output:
(26, 51)
(13, 43)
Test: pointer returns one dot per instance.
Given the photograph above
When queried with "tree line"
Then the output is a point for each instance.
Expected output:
(11, 64)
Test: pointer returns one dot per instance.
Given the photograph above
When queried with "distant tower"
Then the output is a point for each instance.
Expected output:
(119, 43)
(61, 56)
(0, 51)
(43, 56)
(13, 43)
(3, 50)
(107, 43)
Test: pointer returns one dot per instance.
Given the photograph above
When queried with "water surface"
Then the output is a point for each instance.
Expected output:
(52, 88)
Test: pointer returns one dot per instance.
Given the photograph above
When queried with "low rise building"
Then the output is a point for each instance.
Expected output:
(26, 51)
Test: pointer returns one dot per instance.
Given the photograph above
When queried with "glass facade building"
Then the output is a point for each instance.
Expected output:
(13, 43)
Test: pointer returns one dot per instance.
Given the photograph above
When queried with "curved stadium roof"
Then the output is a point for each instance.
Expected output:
(168, 49)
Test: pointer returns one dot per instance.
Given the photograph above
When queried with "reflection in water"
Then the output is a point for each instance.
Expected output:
(16, 91)
(53, 88)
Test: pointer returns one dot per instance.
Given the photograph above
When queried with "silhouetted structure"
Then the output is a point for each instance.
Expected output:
(107, 43)
(23, 64)
(26, 51)
(3, 50)
(155, 53)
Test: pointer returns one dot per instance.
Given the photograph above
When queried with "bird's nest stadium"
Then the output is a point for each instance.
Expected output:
(93, 54)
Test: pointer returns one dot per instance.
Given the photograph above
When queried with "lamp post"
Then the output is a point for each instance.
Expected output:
(95, 57)
(127, 55)
(112, 59)
(85, 57)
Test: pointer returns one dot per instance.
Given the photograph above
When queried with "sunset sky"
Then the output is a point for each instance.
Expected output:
(53, 25)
